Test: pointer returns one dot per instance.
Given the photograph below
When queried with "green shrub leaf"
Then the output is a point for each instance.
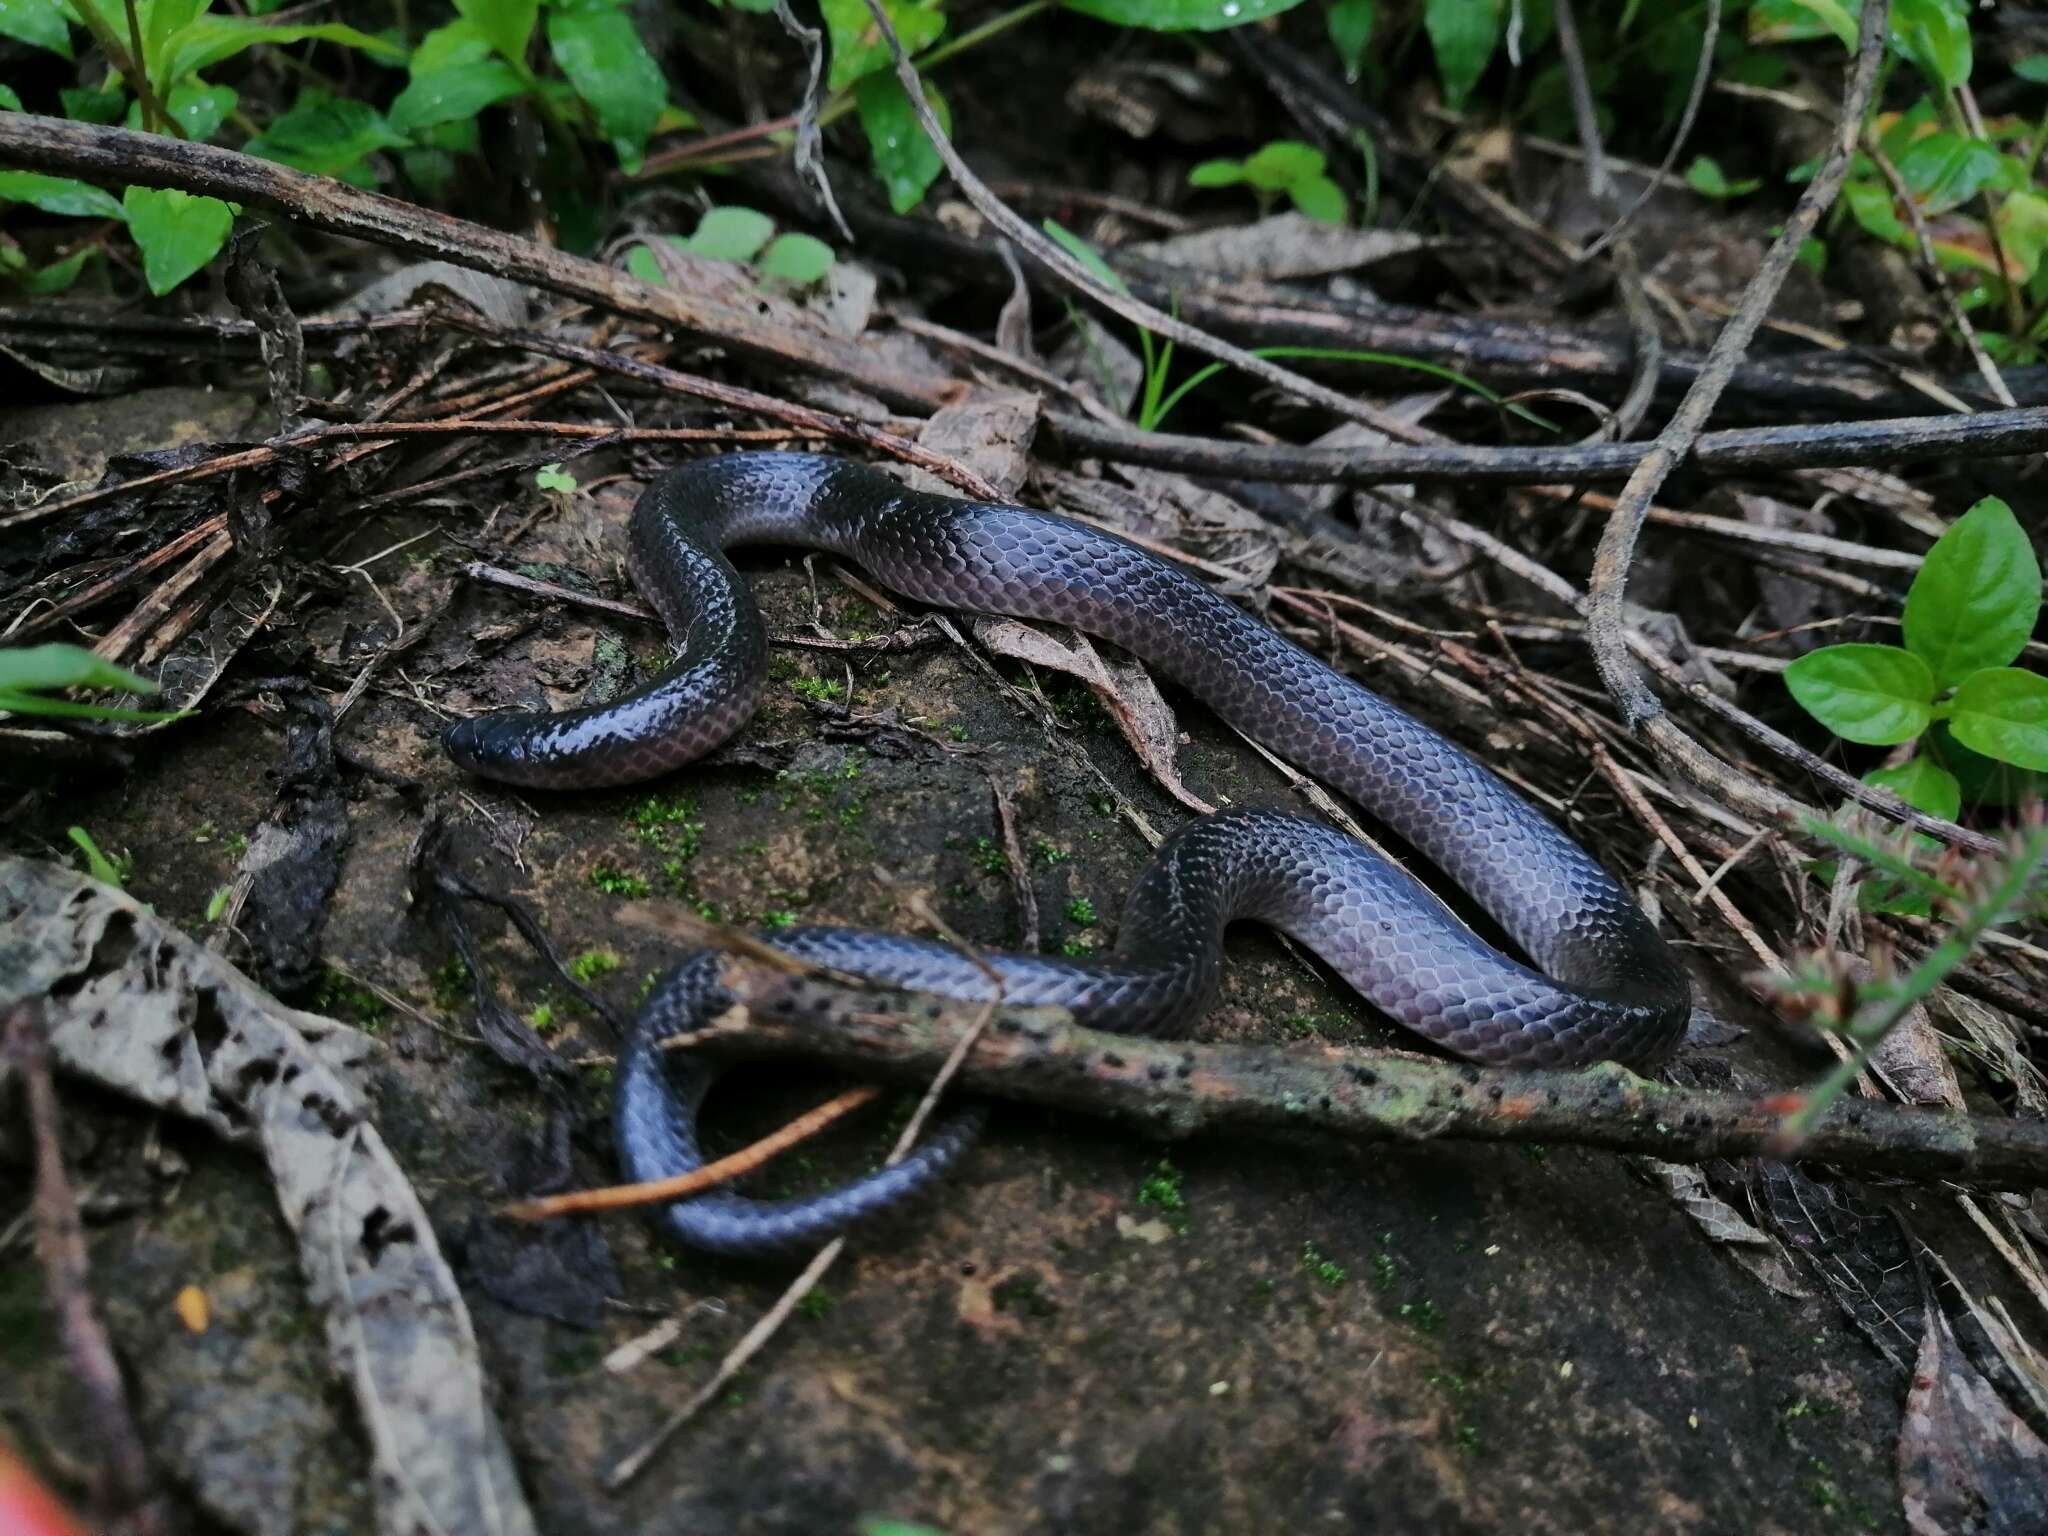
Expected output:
(599, 51)
(730, 234)
(454, 94)
(1217, 173)
(1923, 784)
(1876, 694)
(43, 667)
(1282, 163)
(506, 24)
(1984, 780)
(1350, 24)
(1706, 177)
(796, 259)
(1935, 35)
(1946, 170)
(177, 233)
(58, 194)
(326, 135)
(209, 39)
(2023, 232)
(85, 105)
(41, 23)
(199, 108)
(2002, 712)
(1181, 15)
(904, 158)
(1085, 254)
(1319, 198)
(1977, 595)
(1463, 34)
(857, 47)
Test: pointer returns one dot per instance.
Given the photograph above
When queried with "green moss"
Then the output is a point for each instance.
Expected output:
(450, 985)
(1048, 851)
(542, 1018)
(1079, 947)
(819, 690)
(990, 859)
(781, 917)
(593, 963)
(338, 997)
(816, 1304)
(1081, 910)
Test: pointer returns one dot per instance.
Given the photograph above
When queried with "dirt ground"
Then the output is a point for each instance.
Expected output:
(1073, 1334)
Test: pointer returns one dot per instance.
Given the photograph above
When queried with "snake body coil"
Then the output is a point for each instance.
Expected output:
(1607, 988)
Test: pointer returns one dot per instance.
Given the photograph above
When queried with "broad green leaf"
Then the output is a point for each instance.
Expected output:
(209, 39)
(1350, 24)
(59, 275)
(1923, 784)
(1320, 198)
(552, 477)
(2023, 232)
(1181, 15)
(57, 194)
(1085, 254)
(459, 42)
(1463, 34)
(597, 48)
(640, 263)
(1977, 595)
(8, 100)
(161, 21)
(1800, 21)
(1705, 177)
(43, 667)
(97, 864)
(904, 158)
(199, 108)
(730, 234)
(1984, 780)
(2002, 712)
(2033, 68)
(858, 49)
(40, 23)
(1946, 170)
(796, 259)
(177, 233)
(1876, 694)
(325, 135)
(1870, 202)
(1282, 163)
(506, 24)
(84, 105)
(454, 94)
(1936, 37)
(1217, 173)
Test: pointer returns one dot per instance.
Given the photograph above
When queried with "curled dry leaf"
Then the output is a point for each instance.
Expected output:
(139, 1007)
(1967, 1462)
(1125, 689)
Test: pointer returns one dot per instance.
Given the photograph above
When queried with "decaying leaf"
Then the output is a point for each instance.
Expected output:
(137, 1006)
(1966, 1461)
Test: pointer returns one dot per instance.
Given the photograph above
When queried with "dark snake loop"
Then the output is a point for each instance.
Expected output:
(1604, 985)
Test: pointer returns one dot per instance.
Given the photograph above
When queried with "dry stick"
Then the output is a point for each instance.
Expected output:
(124, 1490)
(1178, 1089)
(1606, 623)
(1702, 73)
(1834, 445)
(117, 157)
(1118, 301)
(620, 1197)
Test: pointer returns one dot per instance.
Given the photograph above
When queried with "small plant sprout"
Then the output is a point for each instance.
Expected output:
(1285, 167)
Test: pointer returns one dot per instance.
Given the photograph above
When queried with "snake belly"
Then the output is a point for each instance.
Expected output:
(1603, 985)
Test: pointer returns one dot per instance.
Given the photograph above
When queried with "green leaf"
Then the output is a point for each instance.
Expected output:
(1923, 784)
(459, 42)
(1945, 170)
(858, 50)
(57, 194)
(1935, 36)
(1984, 780)
(640, 263)
(1282, 163)
(507, 25)
(1800, 21)
(1181, 15)
(1977, 595)
(325, 135)
(1217, 173)
(1870, 203)
(97, 864)
(209, 39)
(199, 108)
(1350, 24)
(796, 259)
(12, 103)
(1320, 198)
(1705, 177)
(730, 234)
(84, 105)
(1876, 694)
(903, 157)
(40, 668)
(2033, 68)
(597, 48)
(40, 23)
(160, 21)
(1463, 34)
(454, 94)
(2002, 712)
(552, 477)
(2023, 232)
(177, 233)
(1085, 254)
(61, 274)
